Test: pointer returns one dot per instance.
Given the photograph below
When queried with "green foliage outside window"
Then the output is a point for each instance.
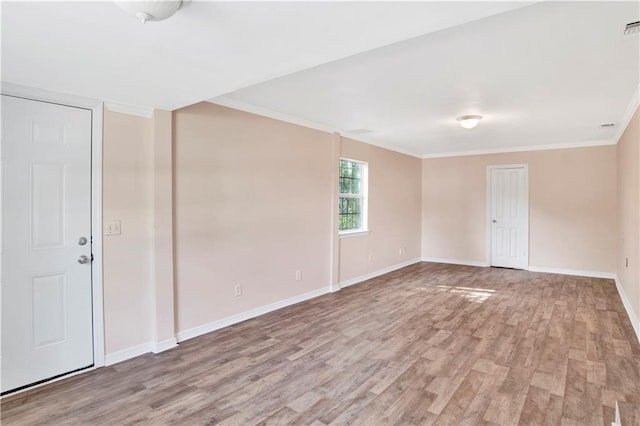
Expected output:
(350, 208)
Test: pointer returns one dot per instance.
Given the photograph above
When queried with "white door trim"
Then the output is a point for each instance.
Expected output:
(96, 108)
(524, 166)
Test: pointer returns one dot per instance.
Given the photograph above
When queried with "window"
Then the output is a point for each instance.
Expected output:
(353, 196)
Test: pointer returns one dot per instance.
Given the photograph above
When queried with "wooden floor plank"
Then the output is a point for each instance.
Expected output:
(428, 344)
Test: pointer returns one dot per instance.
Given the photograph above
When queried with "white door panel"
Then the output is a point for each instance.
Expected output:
(46, 208)
(509, 217)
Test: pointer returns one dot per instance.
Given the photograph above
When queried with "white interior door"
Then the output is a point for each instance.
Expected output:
(46, 213)
(509, 217)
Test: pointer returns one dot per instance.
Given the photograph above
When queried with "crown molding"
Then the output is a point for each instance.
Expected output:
(44, 95)
(506, 150)
(287, 118)
(129, 109)
(382, 145)
(265, 112)
(628, 114)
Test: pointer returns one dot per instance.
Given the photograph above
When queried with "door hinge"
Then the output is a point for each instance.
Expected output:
(92, 257)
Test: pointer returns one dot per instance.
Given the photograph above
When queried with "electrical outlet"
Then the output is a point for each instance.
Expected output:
(237, 290)
(400, 251)
(298, 275)
(112, 228)
(370, 257)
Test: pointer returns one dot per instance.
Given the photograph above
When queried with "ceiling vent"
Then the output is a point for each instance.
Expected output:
(607, 125)
(359, 131)
(632, 29)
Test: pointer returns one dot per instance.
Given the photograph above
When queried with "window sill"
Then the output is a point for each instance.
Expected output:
(349, 234)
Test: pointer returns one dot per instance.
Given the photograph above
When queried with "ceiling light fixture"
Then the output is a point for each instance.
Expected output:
(469, 121)
(150, 10)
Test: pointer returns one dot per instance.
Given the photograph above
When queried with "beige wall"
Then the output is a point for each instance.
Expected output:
(127, 189)
(629, 212)
(572, 205)
(394, 212)
(252, 206)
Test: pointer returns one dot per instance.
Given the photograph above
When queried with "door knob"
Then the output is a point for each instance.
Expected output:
(82, 241)
(83, 259)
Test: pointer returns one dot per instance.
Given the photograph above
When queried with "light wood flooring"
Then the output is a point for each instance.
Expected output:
(428, 344)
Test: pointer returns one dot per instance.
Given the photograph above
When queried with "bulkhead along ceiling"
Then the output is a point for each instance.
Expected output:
(396, 74)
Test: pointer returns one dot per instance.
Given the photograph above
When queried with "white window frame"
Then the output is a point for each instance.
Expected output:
(363, 197)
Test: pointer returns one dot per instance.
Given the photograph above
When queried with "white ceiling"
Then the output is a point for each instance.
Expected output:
(93, 49)
(543, 75)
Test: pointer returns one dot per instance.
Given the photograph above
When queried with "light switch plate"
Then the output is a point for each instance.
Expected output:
(112, 228)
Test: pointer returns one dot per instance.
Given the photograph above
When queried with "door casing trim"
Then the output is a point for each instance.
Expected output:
(489, 247)
(96, 108)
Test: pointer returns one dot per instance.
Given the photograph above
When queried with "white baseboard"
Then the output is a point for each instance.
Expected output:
(128, 353)
(374, 274)
(144, 348)
(165, 345)
(157, 347)
(561, 271)
(234, 319)
(635, 323)
(616, 420)
(456, 261)
(576, 272)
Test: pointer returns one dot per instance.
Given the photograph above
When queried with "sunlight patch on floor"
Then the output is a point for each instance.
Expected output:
(477, 295)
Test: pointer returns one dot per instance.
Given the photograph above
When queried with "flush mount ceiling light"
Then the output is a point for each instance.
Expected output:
(150, 10)
(469, 121)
